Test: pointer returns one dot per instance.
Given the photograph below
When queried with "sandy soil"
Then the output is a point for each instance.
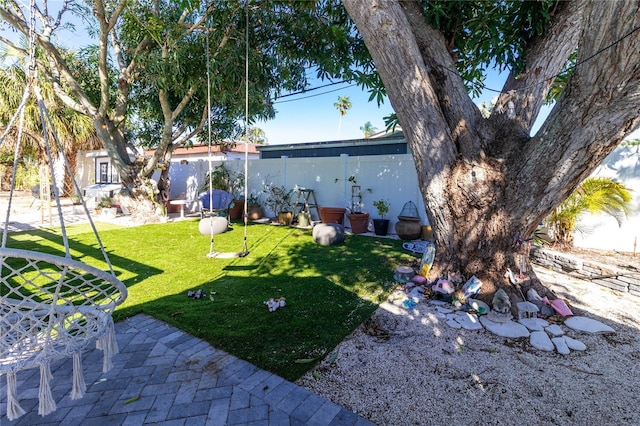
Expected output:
(410, 368)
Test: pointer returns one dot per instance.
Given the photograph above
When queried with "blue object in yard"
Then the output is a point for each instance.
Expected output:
(219, 198)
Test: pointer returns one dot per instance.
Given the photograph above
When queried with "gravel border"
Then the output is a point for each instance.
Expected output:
(410, 368)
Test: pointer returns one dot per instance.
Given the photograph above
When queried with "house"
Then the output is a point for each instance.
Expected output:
(189, 166)
(96, 175)
(383, 144)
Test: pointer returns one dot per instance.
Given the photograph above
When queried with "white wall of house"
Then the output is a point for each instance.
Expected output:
(602, 231)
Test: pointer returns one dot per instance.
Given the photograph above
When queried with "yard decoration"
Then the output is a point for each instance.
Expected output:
(408, 225)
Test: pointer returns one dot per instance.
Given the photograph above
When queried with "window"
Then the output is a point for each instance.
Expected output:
(105, 173)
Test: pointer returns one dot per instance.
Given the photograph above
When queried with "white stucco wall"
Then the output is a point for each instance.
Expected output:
(602, 231)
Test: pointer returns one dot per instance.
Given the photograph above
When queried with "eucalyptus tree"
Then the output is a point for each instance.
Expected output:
(488, 182)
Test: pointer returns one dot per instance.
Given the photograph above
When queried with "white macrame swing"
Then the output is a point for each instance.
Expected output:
(214, 225)
(51, 307)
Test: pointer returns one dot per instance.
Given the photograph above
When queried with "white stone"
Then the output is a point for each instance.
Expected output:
(555, 330)
(534, 324)
(509, 329)
(575, 345)
(438, 302)
(453, 323)
(440, 315)
(561, 345)
(415, 294)
(443, 310)
(540, 340)
(587, 325)
(468, 321)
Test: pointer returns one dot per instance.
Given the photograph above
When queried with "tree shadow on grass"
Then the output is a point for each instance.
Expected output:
(329, 291)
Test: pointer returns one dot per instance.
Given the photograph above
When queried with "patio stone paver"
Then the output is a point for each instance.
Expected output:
(165, 376)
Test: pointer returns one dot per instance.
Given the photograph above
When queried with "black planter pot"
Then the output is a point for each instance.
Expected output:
(381, 226)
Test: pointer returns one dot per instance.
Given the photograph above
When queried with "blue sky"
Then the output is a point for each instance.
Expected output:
(311, 116)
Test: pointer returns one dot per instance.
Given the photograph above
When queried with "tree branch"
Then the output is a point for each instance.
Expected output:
(597, 110)
(465, 121)
(528, 91)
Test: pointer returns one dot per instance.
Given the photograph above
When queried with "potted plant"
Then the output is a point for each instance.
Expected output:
(279, 202)
(106, 208)
(254, 209)
(335, 214)
(358, 219)
(76, 202)
(381, 225)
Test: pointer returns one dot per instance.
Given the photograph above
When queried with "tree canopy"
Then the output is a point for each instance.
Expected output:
(146, 79)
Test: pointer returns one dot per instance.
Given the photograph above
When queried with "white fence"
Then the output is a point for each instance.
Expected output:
(393, 178)
(389, 177)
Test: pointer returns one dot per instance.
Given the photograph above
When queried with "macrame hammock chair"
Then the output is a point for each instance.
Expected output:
(214, 225)
(51, 306)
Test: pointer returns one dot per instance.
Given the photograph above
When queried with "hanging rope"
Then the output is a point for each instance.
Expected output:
(211, 225)
(246, 125)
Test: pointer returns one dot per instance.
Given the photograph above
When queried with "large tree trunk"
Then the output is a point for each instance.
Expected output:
(486, 183)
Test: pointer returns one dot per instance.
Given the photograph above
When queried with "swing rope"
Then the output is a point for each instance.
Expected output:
(212, 227)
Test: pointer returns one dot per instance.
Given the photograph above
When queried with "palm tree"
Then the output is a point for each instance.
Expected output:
(257, 136)
(75, 131)
(593, 195)
(368, 129)
(343, 105)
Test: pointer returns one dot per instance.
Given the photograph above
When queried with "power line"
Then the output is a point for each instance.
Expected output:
(572, 67)
(317, 94)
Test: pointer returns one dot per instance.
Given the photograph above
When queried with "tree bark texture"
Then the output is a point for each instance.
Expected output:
(486, 183)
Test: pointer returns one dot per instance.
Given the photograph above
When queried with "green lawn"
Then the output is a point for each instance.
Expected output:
(329, 290)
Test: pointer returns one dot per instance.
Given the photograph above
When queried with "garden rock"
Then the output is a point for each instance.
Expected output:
(534, 324)
(554, 330)
(509, 329)
(561, 345)
(575, 345)
(540, 340)
(587, 325)
(327, 234)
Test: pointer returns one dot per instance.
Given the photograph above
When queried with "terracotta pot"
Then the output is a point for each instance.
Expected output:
(235, 212)
(381, 226)
(332, 214)
(254, 211)
(359, 222)
(408, 228)
(285, 218)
